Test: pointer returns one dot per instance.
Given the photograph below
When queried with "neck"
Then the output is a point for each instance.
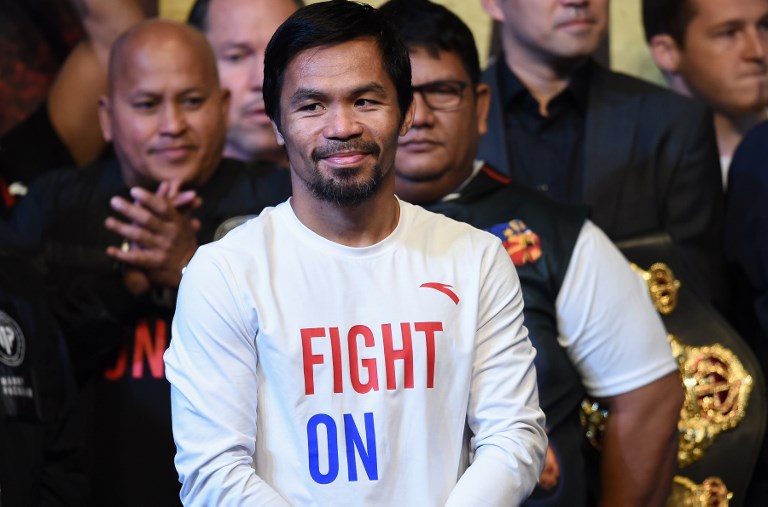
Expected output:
(430, 191)
(359, 225)
(545, 78)
(731, 129)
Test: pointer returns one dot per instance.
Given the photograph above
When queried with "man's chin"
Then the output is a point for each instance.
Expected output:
(419, 175)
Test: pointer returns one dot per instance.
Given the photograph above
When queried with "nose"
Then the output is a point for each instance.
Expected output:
(172, 120)
(423, 116)
(755, 43)
(342, 123)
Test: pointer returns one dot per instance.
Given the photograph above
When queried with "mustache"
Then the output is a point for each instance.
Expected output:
(334, 147)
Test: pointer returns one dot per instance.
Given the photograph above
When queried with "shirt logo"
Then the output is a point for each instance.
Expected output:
(444, 288)
(522, 244)
(12, 343)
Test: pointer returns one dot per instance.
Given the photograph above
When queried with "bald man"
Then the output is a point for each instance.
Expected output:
(239, 31)
(115, 238)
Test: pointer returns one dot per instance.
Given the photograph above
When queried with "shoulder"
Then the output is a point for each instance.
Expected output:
(747, 177)
(436, 226)
(752, 153)
(422, 219)
(608, 81)
(267, 184)
(508, 202)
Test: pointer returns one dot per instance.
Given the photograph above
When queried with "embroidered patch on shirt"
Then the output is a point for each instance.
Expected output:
(522, 244)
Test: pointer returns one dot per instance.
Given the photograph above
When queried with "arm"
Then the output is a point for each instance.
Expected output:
(617, 342)
(509, 441)
(639, 455)
(72, 100)
(211, 365)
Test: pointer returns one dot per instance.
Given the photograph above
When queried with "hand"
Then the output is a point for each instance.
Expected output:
(551, 473)
(161, 234)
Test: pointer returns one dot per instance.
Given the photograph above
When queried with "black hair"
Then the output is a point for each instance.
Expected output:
(327, 24)
(198, 14)
(667, 17)
(432, 27)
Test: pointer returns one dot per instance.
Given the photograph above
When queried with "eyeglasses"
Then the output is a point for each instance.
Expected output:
(442, 95)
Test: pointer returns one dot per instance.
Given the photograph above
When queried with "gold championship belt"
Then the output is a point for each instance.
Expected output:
(723, 418)
(710, 493)
(717, 389)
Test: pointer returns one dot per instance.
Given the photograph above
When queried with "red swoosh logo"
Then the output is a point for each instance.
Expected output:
(444, 288)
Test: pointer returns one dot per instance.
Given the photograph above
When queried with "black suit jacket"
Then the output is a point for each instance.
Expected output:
(650, 165)
(747, 237)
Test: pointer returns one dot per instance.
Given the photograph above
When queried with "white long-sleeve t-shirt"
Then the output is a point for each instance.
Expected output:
(304, 372)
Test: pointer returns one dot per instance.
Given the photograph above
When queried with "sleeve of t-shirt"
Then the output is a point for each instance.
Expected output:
(507, 425)
(211, 365)
(608, 325)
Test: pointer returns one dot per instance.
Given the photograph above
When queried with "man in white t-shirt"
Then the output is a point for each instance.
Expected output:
(345, 347)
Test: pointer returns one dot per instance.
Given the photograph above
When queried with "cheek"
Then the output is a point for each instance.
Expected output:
(234, 80)
(132, 132)
(207, 126)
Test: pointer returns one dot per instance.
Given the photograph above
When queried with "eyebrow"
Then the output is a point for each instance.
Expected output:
(304, 94)
(143, 92)
(235, 45)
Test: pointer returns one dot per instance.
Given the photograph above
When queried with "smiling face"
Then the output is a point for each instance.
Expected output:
(550, 30)
(340, 121)
(437, 153)
(239, 31)
(724, 60)
(165, 112)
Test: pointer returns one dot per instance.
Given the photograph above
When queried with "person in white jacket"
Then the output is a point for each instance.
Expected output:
(345, 347)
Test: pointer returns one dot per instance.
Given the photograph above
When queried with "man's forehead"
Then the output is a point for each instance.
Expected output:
(350, 63)
(428, 66)
(732, 10)
(150, 71)
(246, 21)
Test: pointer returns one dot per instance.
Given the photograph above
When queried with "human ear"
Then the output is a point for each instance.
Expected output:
(405, 126)
(665, 52)
(278, 135)
(493, 10)
(482, 106)
(105, 118)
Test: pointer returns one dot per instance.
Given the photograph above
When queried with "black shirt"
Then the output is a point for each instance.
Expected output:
(547, 152)
(116, 339)
(40, 461)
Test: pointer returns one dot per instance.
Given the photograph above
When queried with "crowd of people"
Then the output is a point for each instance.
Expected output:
(288, 254)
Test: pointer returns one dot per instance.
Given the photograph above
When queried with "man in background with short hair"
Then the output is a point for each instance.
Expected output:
(717, 52)
(641, 157)
(238, 31)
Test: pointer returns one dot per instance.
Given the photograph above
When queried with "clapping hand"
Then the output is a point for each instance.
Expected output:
(160, 235)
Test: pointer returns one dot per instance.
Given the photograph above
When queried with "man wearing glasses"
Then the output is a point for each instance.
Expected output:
(588, 314)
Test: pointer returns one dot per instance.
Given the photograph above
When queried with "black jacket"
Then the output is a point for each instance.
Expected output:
(40, 461)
